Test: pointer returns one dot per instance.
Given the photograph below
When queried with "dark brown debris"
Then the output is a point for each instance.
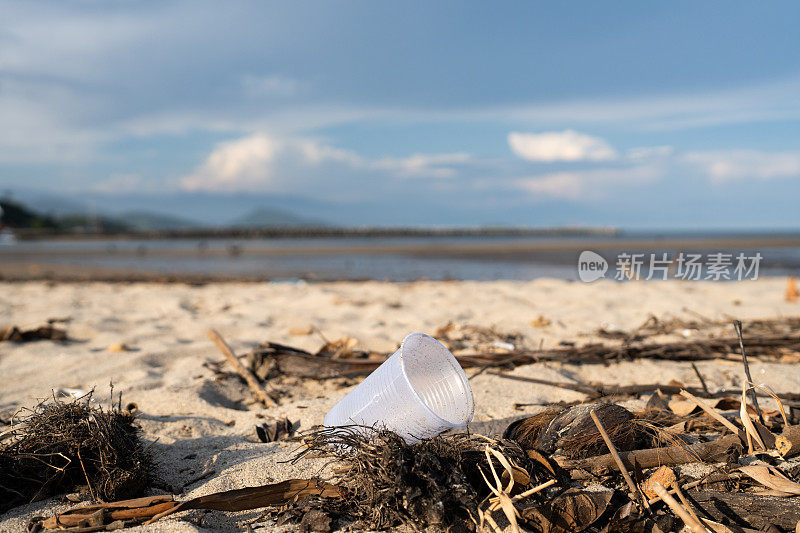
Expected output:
(61, 446)
(275, 430)
(437, 482)
(46, 332)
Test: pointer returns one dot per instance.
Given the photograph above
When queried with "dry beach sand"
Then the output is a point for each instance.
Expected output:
(199, 428)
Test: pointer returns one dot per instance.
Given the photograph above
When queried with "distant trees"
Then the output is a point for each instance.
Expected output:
(17, 216)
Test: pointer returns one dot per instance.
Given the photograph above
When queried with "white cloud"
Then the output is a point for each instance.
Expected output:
(264, 163)
(727, 165)
(243, 164)
(565, 145)
(587, 184)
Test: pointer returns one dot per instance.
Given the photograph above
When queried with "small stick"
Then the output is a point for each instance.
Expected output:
(711, 411)
(737, 325)
(613, 450)
(252, 381)
(693, 524)
(700, 377)
(534, 490)
(80, 460)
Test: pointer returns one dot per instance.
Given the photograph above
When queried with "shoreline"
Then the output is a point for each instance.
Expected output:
(311, 232)
(259, 261)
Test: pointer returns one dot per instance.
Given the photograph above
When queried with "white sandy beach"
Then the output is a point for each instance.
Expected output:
(194, 425)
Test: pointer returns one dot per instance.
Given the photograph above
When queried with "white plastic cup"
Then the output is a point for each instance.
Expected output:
(418, 392)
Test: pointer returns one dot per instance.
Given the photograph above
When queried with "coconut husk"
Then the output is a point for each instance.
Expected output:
(573, 434)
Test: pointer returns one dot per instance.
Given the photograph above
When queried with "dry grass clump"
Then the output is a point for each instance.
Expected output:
(435, 482)
(60, 446)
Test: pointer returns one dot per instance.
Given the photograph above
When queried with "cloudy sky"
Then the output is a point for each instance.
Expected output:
(678, 114)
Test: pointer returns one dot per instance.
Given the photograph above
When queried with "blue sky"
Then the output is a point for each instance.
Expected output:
(679, 114)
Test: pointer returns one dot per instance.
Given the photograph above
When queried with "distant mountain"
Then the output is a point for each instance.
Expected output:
(150, 221)
(271, 217)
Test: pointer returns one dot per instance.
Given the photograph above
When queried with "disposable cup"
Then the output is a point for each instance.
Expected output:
(418, 392)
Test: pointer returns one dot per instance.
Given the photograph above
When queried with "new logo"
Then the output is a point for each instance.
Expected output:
(591, 266)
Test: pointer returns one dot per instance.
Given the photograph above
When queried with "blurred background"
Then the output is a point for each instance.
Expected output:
(403, 140)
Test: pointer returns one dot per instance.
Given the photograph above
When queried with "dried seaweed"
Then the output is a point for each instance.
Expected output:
(60, 446)
(435, 482)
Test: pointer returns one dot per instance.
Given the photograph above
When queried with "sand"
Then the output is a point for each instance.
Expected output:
(196, 426)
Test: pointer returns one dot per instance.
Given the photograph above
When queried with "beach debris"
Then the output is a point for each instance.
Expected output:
(418, 392)
(338, 349)
(46, 332)
(252, 381)
(775, 340)
(541, 321)
(768, 339)
(664, 476)
(724, 449)
(465, 337)
(440, 481)
(279, 429)
(788, 442)
(572, 432)
(59, 446)
(120, 347)
(791, 294)
(67, 392)
(272, 360)
(685, 460)
(773, 479)
(128, 513)
(574, 510)
(300, 331)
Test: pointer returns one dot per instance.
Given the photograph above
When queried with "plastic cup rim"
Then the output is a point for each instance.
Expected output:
(420, 399)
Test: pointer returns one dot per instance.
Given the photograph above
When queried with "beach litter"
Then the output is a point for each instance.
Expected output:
(692, 457)
(418, 392)
(280, 429)
(46, 332)
(66, 445)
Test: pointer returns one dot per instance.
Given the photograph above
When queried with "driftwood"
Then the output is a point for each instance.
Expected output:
(258, 390)
(746, 509)
(695, 350)
(788, 442)
(277, 359)
(596, 390)
(273, 358)
(714, 451)
(152, 508)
